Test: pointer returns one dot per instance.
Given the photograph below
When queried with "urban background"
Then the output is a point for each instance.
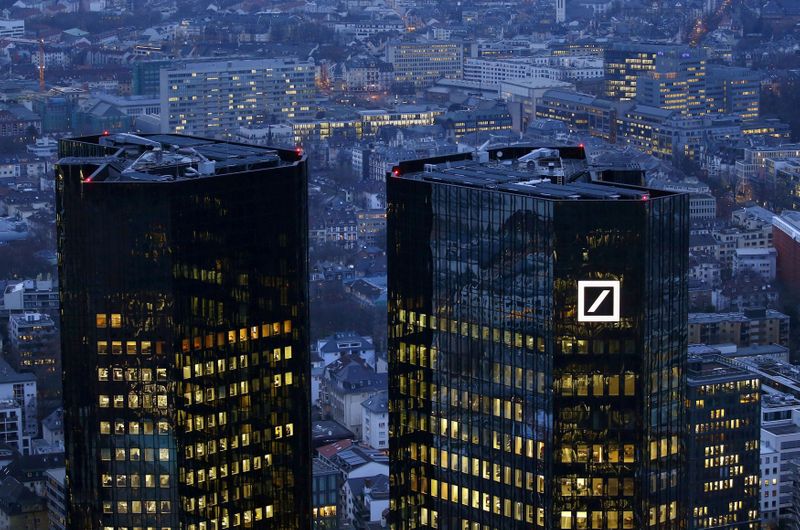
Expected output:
(703, 95)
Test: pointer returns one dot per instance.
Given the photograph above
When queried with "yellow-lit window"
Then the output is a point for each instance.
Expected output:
(116, 320)
(101, 320)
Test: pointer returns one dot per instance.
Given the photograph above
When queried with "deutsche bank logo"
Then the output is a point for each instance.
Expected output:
(598, 301)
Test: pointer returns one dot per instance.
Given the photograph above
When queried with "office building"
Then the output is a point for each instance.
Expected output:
(677, 82)
(421, 64)
(185, 358)
(33, 338)
(786, 238)
(582, 113)
(678, 70)
(722, 446)
(748, 328)
(536, 354)
(732, 90)
(218, 98)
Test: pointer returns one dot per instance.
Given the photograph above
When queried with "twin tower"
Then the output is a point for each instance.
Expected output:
(537, 339)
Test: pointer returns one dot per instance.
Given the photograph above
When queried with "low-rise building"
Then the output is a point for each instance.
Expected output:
(747, 328)
(759, 260)
(375, 421)
(57, 499)
(367, 498)
(30, 295)
(20, 508)
(780, 442)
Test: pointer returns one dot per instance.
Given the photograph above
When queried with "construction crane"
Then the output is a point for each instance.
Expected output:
(41, 65)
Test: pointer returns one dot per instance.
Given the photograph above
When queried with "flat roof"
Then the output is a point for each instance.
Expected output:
(548, 173)
(172, 157)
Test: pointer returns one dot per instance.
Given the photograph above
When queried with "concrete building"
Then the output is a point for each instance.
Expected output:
(760, 260)
(626, 63)
(523, 97)
(732, 90)
(582, 113)
(20, 508)
(29, 295)
(748, 328)
(375, 421)
(348, 382)
(780, 444)
(33, 338)
(56, 499)
(18, 395)
(12, 425)
(10, 28)
(367, 498)
(217, 98)
(422, 63)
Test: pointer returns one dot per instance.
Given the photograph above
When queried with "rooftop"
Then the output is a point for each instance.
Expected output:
(171, 157)
(547, 173)
(8, 375)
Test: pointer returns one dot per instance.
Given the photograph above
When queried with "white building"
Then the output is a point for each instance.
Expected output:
(780, 443)
(12, 28)
(12, 425)
(375, 421)
(333, 347)
(760, 260)
(219, 98)
(18, 403)
(29, 295)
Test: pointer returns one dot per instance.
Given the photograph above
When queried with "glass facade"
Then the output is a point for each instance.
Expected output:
(508, 408)
(723, 444)
(184, 339)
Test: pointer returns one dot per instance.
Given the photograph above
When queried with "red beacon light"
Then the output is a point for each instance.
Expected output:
(106, 133)
(396, 172)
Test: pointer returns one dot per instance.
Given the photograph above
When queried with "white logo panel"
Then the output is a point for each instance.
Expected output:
(598, 301)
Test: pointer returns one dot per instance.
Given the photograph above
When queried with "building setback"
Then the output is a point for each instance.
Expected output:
(186, 365)
(724, 419)
(537, 330)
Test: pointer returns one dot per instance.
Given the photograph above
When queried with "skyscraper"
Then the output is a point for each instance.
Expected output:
(183, 266)
(537, 342)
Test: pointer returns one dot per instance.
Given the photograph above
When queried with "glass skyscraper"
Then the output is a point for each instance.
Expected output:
(537, 345)
(183, 268)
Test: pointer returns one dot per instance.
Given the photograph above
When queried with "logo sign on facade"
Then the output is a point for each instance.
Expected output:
(598, 301)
